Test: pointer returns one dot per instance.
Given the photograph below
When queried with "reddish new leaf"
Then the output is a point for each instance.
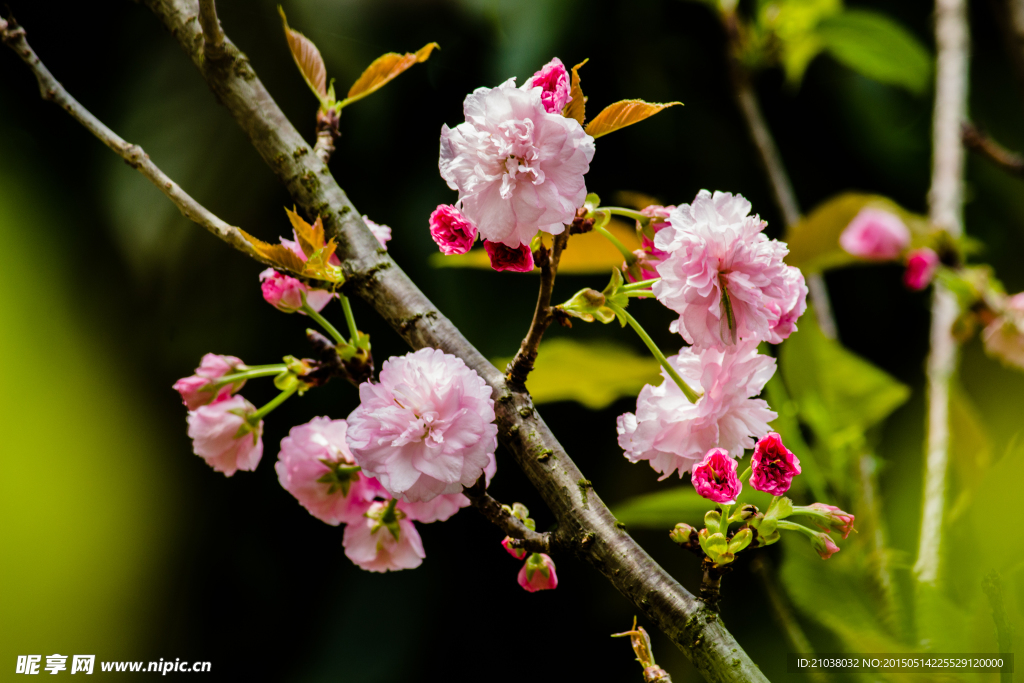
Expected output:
(624, 113)
(307, 58)
(577, 106)
(385, 68)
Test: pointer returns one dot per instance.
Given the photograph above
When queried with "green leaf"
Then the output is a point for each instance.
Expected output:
(875, 46)
(793, 24)
(591, 373)
(663, 509)
(839, 394)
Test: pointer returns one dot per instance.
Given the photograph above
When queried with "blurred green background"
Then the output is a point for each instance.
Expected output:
(117, 541)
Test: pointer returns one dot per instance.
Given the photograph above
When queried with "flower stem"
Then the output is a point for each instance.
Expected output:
(793, 526)
(640, 293)
(251, 372)
(350, 320)
(626, 253)
(643, 284)
(690, 394)
(626, 213)
(745, 475)
(275, 402)
(322, 321)
(723, 526)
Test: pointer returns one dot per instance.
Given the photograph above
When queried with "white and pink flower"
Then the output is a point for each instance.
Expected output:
(427, 428)
(720, 265)
(518, 168)
(287, 294)
(222, 435)
(383, 540)
(673, 434)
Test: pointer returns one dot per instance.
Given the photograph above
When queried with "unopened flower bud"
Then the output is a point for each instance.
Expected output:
(517, 260)
(833, 519)
(287, 294)
(538, 573)
(921, 267)
(553, 80)
(201, 388)
(715, 477)
(451, 231)
(824, 545)
(745, 513)
(684, 535)
(515, 552)
(715, 546)
(740, 540)
(875, 234)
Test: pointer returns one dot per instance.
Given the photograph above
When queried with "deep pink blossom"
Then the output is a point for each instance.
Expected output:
(674, 434)
(876, 235)
(773, 465)
(285, 293)
(518, 169)
(222, 436)
(197, 390)
(538, 573)
(824, 545)
(649, 256)
(555, 84)
(719, 261)
(383, 540)
(451, 231)
(517, 260)
(315, 465)
(1004, 336)
(427, 428)
(517, 553)
(921, 267)
(715, 478)
(837, 520)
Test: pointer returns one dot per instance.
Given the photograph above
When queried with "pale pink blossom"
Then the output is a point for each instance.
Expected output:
(674, 434)
(517, 553)
(427, 428)
(381, 232)
(286, 294)
(922, 265)
(223, 437)
(440, 508)
(383, 540)
(555, 84)
(875, 234)
(649, 256)
(538, 573)
(773, 466)
(450, 230)
(1004, 336)
(515, 259)
(720, 260)
(197, 390)
(518, 169)
(315, 465)
(715, 478)
(834, 519)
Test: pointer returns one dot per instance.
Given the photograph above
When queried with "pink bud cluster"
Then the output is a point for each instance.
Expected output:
(649, 256)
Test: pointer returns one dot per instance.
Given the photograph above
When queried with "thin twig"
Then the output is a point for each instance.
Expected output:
(979, 142)
(521, 366)
(51, 90)
(213, 34)
(771, 160)
(527, 539)
(945, 210)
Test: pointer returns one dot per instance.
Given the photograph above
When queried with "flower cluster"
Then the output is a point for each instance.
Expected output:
(879, 235)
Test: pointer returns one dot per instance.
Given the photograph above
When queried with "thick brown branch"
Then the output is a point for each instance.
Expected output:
(14, 37)
(586, 526)
(213, 34)
(979, 142)
(521, 366)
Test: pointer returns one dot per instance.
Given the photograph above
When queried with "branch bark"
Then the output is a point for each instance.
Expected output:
(945, 210)
(586, 526)
(977, 141)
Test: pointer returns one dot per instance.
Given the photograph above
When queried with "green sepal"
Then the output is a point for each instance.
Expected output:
(339, 476)
(740, 540)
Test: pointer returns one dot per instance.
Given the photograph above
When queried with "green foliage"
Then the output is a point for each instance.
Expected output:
(591, 373)
(875, 46)
(793, 24)
(663, 509)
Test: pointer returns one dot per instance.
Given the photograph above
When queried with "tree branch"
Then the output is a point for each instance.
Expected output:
(771, 161)
(945, 210)
(521, 366)
(586, 526)
(213, 34)
(51, 90)
(528, 539)
(977, 141)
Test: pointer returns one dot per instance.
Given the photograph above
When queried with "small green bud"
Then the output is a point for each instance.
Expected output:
(740, 540)
(684, 535)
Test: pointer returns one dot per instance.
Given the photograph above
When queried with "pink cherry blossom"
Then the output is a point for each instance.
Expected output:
(538, 573)
(517, 553)
(1004, 336)
(285, 293)
(876, 235)
(649, 256)
(427, 428)
(221, 435)
(824, 545)
(715, 478)
(517, 260)
(381, 232)
(836, 520)
(315, 465)
(674, 434)
(773, 465)
(555, 84)
(383, 541)
(719, 258)
(921, 267)
(197, 390)
(518, 169)
(451, 231)
(440, 508)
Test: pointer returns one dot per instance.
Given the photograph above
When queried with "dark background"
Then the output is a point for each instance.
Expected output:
(117, 541)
